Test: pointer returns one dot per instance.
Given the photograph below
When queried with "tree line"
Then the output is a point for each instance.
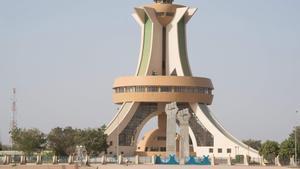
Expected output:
(271, 149)
(61, 141)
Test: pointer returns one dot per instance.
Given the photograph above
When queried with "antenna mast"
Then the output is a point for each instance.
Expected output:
(13, 123)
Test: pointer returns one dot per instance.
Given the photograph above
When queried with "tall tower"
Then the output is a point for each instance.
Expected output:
(163, 75)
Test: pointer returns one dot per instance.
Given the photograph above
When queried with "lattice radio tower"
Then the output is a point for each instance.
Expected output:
(13, 122)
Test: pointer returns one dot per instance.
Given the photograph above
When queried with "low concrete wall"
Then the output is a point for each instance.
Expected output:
(38, 167)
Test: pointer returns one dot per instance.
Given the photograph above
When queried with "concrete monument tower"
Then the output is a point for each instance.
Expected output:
(163, 76)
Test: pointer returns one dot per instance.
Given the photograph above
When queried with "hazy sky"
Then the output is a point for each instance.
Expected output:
(63, 55)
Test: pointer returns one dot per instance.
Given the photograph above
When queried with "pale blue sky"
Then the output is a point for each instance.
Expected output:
(63, 55)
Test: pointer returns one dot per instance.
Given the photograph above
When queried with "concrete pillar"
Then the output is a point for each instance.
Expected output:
(262, 161)
(7, 160)
(54, 160)
(153, 160)
(213, 160)
(246, 162)
(38, 159)
(103, 159)
(87, 160)
(292, 161)
(71, 159)
(23, 160)
(229, 160)
(171, 111)
(183, 117)
(120, 159)
(137, 158)
(277, 161)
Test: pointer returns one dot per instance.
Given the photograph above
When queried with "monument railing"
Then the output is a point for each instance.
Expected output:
(111, 160)
(145, 160)
(47, 159)
(239, 159)
(31, 159)
(16, 159)
(255, 161)
(1, 160)
(95, 160)
(62, 159)
(129, 160)
(221, 161)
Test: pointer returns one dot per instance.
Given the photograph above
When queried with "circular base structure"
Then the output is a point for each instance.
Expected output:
(163, 89)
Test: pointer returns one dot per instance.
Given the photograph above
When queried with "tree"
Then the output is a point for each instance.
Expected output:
(269, 150)
(286, 151)
(292, 139)
(63, 141)
(287, 147)
(255, 144)
(28, 140)
(94, 140)
(0, 146)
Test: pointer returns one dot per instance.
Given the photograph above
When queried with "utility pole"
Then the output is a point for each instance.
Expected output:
(296, 159)
(295, 145)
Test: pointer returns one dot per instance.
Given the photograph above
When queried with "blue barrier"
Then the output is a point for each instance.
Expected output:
(171, 161)
(190, 161)
(193, 161)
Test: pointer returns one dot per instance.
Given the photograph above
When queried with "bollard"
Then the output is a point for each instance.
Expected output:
(38, 159)
(71, 159)
(23, 160)
(277, 162)
(120, 159)
(229, 160)
(213, 160)
(54, 160)
(137, 159)
(5, 161)
(103, 159)
(292, 161)
(87, 160)
(153, 159)
(246, 162)
(261, 161)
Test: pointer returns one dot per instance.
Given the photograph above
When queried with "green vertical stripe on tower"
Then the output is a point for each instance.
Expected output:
(182, 48)
(146, 47)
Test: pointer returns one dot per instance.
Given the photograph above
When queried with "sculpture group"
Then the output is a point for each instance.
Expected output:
(183, 116)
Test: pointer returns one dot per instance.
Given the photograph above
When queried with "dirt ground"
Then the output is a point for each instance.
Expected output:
(135, 167)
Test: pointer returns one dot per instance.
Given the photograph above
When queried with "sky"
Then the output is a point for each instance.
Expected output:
(63, 56)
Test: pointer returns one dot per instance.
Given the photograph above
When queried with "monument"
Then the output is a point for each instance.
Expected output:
(163, 76)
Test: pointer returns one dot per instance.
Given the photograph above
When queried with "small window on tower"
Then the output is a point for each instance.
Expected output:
(165, 89)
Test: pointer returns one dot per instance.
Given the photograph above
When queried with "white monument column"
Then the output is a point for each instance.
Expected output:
(183, 117)
(171, 111)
